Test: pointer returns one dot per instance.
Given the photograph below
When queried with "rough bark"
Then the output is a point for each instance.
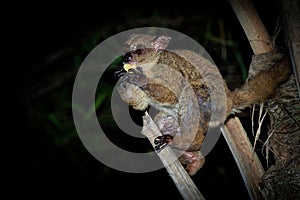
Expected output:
(281, 180)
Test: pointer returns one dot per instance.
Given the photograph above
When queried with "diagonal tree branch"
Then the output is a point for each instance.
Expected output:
(180, 177)
(235, 135)
(254, 28)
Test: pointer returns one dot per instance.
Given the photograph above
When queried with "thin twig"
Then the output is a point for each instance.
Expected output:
(180, 177)
(261, 118)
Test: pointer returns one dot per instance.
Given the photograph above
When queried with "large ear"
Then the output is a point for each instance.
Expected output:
(161, 43)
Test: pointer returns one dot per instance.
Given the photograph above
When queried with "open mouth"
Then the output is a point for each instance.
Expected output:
(128, 65)
(128, 62)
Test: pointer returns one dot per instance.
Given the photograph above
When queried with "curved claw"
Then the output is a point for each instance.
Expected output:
(157, 140)
(162, 141)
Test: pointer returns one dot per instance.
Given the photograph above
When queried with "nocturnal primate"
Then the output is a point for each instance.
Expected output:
(188, 90)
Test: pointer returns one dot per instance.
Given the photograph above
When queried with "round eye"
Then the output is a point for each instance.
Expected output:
(140, 49)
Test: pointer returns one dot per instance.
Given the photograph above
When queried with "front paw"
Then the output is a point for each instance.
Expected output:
(137, 77)
(132, 95)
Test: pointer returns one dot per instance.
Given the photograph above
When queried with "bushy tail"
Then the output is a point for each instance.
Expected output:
(262, 86)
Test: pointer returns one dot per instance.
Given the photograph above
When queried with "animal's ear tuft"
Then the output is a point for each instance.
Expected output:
(161, 43)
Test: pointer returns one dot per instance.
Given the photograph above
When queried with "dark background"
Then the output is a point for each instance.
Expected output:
(54, 38)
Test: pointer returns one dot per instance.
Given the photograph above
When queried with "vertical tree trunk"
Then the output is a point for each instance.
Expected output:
(282, 180)
(290, 14)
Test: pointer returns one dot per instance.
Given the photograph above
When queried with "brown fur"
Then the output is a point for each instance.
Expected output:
(262, 86)
(160, 93)
(197, 71)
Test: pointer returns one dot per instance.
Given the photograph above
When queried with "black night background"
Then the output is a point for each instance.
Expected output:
(54, 38)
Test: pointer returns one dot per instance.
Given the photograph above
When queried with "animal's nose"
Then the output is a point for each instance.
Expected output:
(127, 57)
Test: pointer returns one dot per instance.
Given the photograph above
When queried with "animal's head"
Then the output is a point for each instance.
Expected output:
(142, 50)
